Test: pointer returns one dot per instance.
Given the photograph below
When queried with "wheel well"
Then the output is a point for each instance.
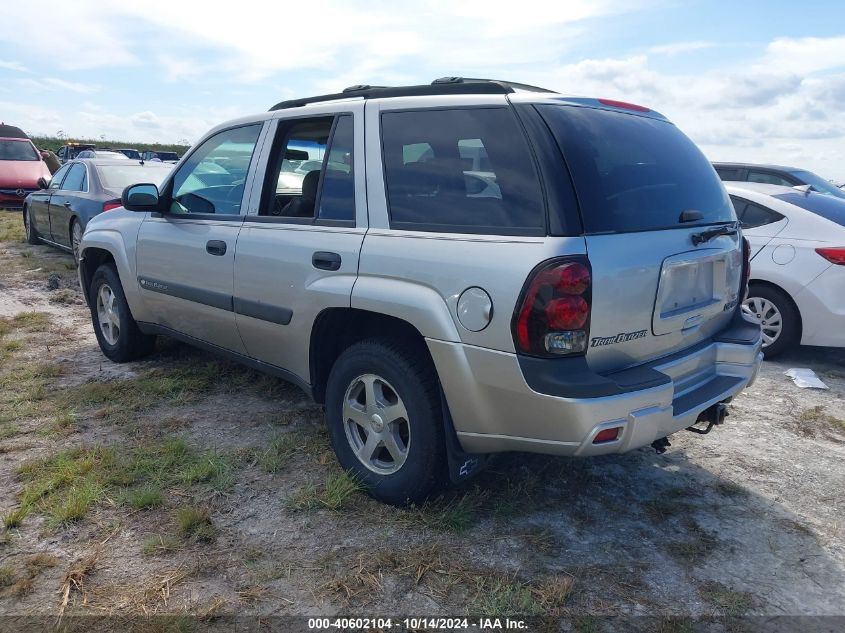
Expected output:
(336, 329)
(73, 219)
(769, 284)
(91, 260)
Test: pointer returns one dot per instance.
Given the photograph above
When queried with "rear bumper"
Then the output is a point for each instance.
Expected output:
(822, 307)
(495, 409)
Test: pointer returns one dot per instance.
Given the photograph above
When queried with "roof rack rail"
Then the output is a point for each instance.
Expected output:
(441, 86)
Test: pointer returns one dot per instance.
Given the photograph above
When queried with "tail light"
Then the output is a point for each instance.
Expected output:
(833, 255)
(746, 265)
(111, 204)
(553, 315)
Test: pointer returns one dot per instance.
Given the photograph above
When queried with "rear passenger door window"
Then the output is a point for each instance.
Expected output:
(466, 170)
(768, 178)
(310, 177)
(75, 180)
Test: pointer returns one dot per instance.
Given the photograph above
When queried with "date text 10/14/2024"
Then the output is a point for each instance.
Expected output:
(417, 624)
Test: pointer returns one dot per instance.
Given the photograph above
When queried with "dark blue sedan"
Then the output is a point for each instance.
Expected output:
(81, 189)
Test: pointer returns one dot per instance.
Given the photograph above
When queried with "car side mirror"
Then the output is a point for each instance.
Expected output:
(42, 182)
(142, 197)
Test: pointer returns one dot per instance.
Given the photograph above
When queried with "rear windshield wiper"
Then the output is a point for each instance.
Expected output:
(706, 236)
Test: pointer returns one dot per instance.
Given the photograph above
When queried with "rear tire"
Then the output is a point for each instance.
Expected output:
(777, 315)
(117, 332)
(385, 420)
(31, 232)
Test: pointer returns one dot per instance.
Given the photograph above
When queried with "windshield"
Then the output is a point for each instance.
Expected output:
(130, 153)
(121, 176)
(167, 155)
(635, 173)
(818, 183)
(18, 150)
(826, 206)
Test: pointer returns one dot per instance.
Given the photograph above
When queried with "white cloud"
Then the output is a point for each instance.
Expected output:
(676, 48)
(804, 55)
(12, 65)
(53, 83)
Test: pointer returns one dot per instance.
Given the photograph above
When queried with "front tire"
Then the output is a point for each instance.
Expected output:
(31, 232)
(75, 239)
(117, 332)
(385, 420)
(777, 315)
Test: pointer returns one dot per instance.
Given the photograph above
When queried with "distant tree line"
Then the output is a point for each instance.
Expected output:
(55, 142)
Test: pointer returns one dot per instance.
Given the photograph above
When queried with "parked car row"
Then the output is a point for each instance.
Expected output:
(59, 211)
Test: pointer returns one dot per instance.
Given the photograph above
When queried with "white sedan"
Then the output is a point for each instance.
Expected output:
(797, 286)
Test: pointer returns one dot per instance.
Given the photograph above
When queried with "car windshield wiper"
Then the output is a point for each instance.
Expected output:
(706, 236)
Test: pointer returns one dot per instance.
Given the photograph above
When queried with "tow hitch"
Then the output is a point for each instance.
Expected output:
(661, 445)
(713, 415)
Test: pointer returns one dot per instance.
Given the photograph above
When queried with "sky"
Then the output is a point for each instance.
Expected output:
(747, 81)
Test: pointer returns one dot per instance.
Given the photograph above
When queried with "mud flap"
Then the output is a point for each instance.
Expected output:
(463, 466)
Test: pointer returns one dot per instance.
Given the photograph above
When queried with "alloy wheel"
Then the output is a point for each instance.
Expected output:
(767, 315)
(376, 423)
(108, 315)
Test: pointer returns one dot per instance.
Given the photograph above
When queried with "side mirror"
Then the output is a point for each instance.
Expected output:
(42, 183)
(143, 197)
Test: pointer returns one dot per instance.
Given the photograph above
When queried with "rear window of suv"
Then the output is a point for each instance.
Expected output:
(635, 173)
(464, 170)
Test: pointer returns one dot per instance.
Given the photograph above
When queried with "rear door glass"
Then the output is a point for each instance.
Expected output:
(635, 173)
(768, 178)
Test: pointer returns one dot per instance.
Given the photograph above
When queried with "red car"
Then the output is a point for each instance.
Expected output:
(20, 167)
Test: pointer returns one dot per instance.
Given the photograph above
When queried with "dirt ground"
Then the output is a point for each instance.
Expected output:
(187, 485)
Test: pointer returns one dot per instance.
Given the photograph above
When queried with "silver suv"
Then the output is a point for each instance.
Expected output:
(453, 270)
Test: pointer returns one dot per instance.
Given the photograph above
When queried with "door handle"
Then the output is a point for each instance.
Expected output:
(215, 247)
(326, 260)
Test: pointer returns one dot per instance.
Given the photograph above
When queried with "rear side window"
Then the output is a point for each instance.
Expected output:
(460, 171)
(768, 178)
(753, 215)
(635, 173)
(75, 180)
(828, 207)
(729, 173)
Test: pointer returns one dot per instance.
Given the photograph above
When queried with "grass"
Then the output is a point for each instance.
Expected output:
(455, 515)
(11, 227)
(146, 496)
(333, 493)
(695, 549)
(815, 419)
(7, 576)
(730, 602)
(498, 595)
(195, 523)
(278, 454)
(67, 485)
(161, 544)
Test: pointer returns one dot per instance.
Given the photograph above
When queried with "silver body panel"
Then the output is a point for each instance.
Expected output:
(654, 281)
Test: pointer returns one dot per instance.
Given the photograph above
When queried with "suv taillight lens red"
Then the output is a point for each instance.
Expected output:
(553, 316)
(833, 255)
(111, 204)
(746, 265)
